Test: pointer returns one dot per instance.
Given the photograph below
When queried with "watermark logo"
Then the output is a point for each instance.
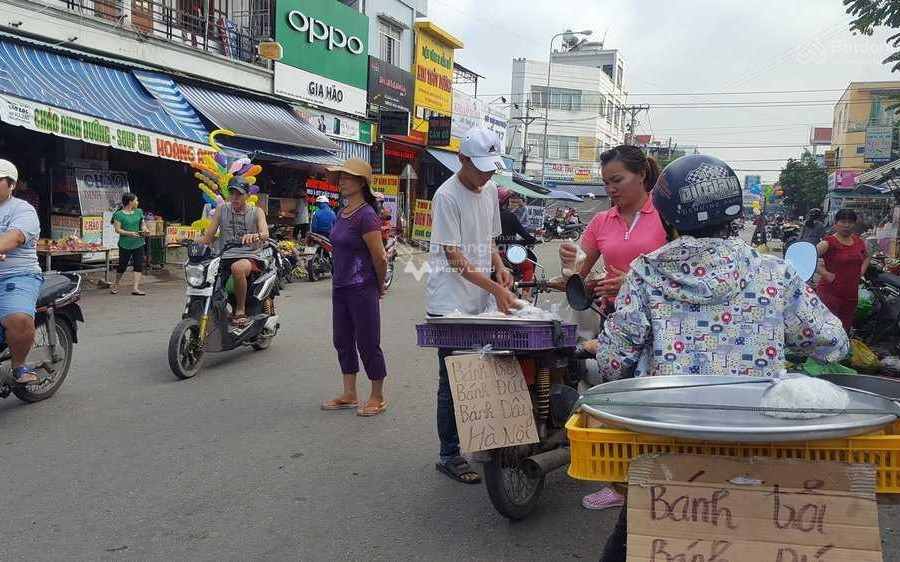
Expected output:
(417, 271)
(854, 50)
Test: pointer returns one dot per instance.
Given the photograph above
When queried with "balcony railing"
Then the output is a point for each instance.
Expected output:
(207, 26)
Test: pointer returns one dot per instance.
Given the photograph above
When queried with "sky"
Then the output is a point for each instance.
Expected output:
(730, 50)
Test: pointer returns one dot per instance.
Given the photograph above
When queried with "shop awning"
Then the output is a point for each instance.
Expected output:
(273, 151)
(255, 119)
(508, 182)
(449, 160)
(92, 90)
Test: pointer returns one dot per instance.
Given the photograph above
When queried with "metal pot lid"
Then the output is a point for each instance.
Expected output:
(725, 408)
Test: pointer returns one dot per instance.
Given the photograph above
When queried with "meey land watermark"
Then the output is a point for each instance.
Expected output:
(843, 51)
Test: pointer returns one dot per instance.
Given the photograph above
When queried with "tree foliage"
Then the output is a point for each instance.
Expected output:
(871, 14)
(804, 183)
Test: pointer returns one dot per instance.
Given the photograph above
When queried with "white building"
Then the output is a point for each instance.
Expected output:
(585, 117)
(391, 35)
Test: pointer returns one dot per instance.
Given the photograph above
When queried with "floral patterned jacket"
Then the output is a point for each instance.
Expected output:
(714, 307)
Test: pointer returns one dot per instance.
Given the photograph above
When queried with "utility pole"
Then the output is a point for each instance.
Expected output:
(527, 120)
(633, 110)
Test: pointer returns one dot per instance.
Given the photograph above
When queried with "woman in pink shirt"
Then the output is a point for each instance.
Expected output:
(630, 227)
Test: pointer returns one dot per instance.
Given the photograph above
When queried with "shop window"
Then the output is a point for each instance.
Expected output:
(389, 43)
(608, 70)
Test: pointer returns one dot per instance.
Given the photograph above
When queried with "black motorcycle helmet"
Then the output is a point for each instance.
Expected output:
(697, 192)
(815, 214)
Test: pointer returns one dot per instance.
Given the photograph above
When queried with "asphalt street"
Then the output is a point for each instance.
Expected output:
(128, 463)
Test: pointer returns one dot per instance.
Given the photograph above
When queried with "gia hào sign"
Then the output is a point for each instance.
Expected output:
(325, 58)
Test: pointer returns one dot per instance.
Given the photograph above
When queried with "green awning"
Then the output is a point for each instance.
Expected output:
(507, 181)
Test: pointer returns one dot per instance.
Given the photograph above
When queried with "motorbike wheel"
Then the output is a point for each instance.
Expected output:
(576, 234)
(37, 392)
(512, 491)
(185, 358)
(389, 275)
(311, 272)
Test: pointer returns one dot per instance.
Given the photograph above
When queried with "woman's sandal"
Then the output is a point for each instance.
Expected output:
(338, 404)
(370, 409)
(458, 468)
(239, 320)
(138, 293)
(114, 291)
(18, 378)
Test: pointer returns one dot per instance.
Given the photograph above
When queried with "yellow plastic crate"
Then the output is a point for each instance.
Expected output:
(603, 454)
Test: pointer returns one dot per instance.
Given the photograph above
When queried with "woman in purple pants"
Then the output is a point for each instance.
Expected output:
(360, 265)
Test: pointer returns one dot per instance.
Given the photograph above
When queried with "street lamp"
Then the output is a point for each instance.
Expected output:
(547, 92)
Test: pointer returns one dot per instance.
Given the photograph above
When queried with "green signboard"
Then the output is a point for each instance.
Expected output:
(324, 37)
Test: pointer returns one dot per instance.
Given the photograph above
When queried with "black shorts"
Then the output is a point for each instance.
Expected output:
(136, 257)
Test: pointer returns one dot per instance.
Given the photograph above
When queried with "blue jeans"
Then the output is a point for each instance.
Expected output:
(446, 419)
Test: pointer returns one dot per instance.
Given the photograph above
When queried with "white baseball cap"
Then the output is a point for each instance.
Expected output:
(483, 148)
(322, 199)
(8, 170)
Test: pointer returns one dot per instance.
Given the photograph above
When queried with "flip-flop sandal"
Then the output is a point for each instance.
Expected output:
(337, 404)
(456, 469)
(138, 293)
(114, 291)
(239, 320)
(368, 411)
(19, 382)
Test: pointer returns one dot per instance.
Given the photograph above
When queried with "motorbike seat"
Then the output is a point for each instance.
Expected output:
(55, 286)
(890, 279)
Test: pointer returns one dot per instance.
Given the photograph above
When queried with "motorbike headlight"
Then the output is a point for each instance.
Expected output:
(195, 275)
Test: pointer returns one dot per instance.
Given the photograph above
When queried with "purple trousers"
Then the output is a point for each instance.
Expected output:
(357, 327)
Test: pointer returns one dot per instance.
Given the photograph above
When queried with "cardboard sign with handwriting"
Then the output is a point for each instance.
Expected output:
(701, 509)
(491, 402)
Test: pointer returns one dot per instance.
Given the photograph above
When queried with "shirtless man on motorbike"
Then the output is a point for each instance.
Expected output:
(240, 223)
(706, 303)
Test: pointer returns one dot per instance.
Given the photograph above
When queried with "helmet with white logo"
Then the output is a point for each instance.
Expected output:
(697, 191)
(322, 199)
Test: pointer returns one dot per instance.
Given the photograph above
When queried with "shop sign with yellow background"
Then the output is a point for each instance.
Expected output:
(422, 220)
(433, 72)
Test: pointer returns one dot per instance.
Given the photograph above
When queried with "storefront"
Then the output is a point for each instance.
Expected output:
(84, 136)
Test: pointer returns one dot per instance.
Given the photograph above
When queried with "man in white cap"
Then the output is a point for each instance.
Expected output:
(20, 273)
(465, 217)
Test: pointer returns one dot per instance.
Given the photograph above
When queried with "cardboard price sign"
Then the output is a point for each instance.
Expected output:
(491, 402)
(700, 509)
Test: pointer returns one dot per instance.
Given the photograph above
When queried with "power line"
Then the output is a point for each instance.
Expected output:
(754, 92)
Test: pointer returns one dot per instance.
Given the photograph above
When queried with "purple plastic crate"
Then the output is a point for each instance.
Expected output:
(501, 336)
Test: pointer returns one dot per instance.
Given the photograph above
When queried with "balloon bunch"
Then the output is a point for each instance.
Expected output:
(216, 170)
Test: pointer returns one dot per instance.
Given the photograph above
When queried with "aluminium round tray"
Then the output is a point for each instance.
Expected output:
(629, 404)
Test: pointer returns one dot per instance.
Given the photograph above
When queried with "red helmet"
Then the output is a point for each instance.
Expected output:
(504, 194)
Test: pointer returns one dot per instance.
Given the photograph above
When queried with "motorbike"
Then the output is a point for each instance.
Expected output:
(56, 332)
(789, 233)
(321, 263)
(522, 292)
(390, 248)
(514, 476)
(884, 319)
(205, 324)
(556, 230)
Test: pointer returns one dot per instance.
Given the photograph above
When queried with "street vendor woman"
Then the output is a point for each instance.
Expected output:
(465, 221)
(707, 304)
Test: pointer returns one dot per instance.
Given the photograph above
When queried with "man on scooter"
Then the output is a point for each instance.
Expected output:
(706, 303)
(20, 274)
(239, 222)
(512, 232)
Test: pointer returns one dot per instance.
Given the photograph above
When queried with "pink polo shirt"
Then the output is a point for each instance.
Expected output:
(621, 243)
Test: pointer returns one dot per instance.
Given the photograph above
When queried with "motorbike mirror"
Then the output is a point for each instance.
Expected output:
(804, 257)
(577, 294)
(516, 254)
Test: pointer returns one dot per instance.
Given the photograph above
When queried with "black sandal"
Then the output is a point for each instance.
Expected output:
(458, 468)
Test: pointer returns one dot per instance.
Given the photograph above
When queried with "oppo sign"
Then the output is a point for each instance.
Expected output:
(317, 30)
